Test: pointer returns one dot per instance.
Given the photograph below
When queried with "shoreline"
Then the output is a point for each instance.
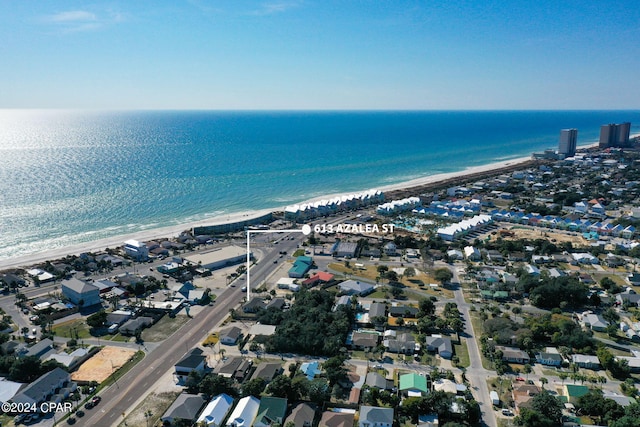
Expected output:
(174, 230)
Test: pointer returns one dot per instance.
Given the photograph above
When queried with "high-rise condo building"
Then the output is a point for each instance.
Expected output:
(615, 135)
(568, 142)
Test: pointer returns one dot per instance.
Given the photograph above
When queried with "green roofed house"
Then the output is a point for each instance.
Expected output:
(413, 385)
(574, 392)
(271, 411)
(301, 266)
(500, 295)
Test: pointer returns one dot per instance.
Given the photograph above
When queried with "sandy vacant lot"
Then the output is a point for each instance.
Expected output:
(102, 364)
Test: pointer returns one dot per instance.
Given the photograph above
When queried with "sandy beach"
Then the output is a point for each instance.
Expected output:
(175, 230)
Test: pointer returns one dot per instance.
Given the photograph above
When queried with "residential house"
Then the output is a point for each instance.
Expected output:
(216, 411)
(336, 419)
(513, 355)
(377, 309)
(41, 350)
(449, 386)
(234, 367)
(472, 254)
(271, 412)
(413, 385)
(629, 296)
(318, 278)
(355, 287)
(405, 311)
(230, 335)
(302, 415)
(549, 359)
(186, 407)
(54, 386)
(133, 326)
(310, 369)
(267, 371)
(373, 416)
(441, 345)
(244, 413)
(364, 340)
(595, 322)
(193, 361)
(253, 306)
(522, 395)
(374, 379)
(586, 361)
(80, 292)
(403, 343)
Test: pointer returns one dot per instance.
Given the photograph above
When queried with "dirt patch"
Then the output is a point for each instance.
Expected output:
(148, 413)
(103, 364)
(520, 232)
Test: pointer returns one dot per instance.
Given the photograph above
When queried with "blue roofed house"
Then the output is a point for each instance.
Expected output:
(310, 369)
(81, 293)
(355, 287)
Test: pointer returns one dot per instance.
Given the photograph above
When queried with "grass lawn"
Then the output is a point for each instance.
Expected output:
(165, 327)
(418, 283)
(462, 352)
(476, 322)
(72, 329)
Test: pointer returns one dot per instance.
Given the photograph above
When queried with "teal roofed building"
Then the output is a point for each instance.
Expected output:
(413, 384)
(301, 266)
(271, 412)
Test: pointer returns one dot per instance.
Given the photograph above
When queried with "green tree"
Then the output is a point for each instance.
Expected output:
(97, 320)
(254, 387)
(426, 307)
(334, 370)
(280, 386)
(319, 391)
(443, 275)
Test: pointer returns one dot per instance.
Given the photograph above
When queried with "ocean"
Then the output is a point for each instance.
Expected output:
(70, 177)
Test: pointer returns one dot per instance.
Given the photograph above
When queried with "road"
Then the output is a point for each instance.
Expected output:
(475, 373)
(118, 398)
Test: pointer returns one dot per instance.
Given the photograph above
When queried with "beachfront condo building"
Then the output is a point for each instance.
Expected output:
(615, 135)
(568, 142)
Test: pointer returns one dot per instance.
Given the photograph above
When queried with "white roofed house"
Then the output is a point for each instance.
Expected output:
(216, 411)
(595, 322)
(136, 250)
(244, 412)
(472, 253)
(80, 292)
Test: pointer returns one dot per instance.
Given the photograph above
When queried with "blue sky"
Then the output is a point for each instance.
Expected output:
(320, 54)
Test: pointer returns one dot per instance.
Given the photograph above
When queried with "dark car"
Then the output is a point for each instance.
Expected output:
(96, 400)
(89, 405)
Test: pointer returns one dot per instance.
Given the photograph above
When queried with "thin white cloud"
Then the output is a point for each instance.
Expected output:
(73, 16)
(73, 21)
(276, 7)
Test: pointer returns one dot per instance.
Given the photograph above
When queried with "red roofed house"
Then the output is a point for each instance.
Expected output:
(320, 277)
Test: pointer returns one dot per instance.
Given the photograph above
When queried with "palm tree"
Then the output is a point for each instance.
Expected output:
(543, 381)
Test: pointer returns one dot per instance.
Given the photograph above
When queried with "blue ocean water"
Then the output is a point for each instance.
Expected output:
(70, 177)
